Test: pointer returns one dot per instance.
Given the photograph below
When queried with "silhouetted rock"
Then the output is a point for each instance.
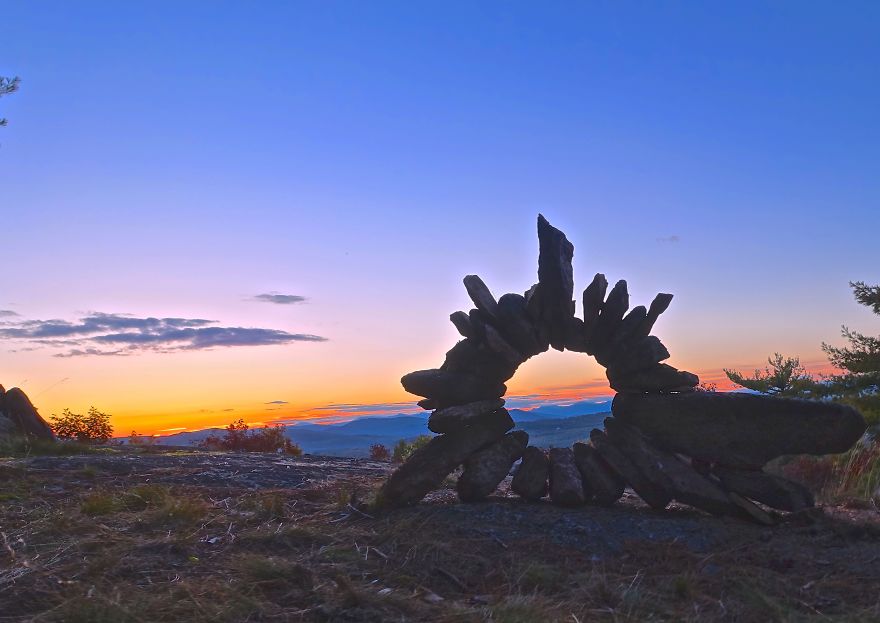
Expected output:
(765, 488)
(593, 300)
(656, 497)
(477, 359)
(516, 325)
(462, 324)
(627, 328)
(450, 388)
(478, 325)
(658, 378)
(658, 306)
(740, 430)
(458, 416)
(556, 279)
(575, 340)
(667, 472)
(484, 469)
(480, 295)
(497, 344)
(635, 355)
(426, 468)
(17, 408)
(566, 486)
(530, 480)
(614, 308)
(601, 483)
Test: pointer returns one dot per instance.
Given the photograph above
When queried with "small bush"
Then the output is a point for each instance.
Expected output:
(240, 438)
(378, 452)
(94, 427)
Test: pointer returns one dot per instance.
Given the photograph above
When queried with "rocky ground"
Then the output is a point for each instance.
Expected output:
(174, 535)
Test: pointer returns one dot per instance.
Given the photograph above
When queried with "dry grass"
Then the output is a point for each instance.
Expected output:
(104, 548)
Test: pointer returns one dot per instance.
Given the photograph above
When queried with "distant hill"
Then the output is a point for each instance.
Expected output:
(548, 426)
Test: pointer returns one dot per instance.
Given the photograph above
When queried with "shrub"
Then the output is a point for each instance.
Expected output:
(94, 427)
(378, 452)
(403, 449)
(240, 438)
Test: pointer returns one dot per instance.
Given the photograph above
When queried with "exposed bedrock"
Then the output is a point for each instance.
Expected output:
(669, 473)
(768, 489)
(530, 480)
(484, 469)
(555, 279)
(22, 416)
(740, 430)
(658, 378)
(458, 416)
(600, 481)
(654, 496)
(426, 468)
(450, 388)
(566, 485)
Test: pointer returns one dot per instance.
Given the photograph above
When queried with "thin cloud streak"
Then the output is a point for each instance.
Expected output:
(280, 299)
(100, 334)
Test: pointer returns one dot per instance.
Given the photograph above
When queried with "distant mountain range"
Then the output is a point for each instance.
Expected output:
(548, 426)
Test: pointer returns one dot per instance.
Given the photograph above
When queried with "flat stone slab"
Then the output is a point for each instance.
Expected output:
(530, 480)
(768, 489)
(602, 485)
(458, 416)
(566, 486)
(740, 430)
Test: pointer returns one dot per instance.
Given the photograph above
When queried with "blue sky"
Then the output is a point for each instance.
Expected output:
(179, 159)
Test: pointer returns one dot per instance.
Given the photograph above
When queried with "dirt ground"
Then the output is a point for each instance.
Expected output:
(174, 535)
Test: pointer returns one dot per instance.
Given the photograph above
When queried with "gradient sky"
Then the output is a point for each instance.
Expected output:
(177, 160)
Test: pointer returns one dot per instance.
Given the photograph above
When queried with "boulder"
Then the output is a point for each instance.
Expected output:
(768, 489)
(480, 295)
(477, 359)
(601, 483)
(450, 388)
(740, 430)
(656, 497)
(530, 479)
(566, 486)
(456, 417)
(515, 324)
(614, 308)
(635, 355)
(658, 306)
(668, 472)
(556, 279)
(658, 378)
(484, 469)
(17, 408)
(462, 323)
(426, 468)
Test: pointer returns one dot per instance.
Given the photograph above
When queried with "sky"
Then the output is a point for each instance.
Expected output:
(265, 210)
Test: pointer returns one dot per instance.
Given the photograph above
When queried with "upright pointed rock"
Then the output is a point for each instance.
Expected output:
(556, 280)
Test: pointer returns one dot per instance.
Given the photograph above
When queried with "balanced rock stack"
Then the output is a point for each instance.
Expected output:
(18, 417)
(666, 440)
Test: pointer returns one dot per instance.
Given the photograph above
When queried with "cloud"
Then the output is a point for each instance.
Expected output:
(276, 402)
(280, 299)
(101, 334)
(7, 313)
(669, 239)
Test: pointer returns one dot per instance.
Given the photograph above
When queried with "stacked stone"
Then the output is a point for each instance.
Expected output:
(666, 440)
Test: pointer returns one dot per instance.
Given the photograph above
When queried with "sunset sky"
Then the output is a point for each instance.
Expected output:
(264, 210)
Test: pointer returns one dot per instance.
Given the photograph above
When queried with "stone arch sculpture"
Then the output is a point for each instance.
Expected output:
(665, 440)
